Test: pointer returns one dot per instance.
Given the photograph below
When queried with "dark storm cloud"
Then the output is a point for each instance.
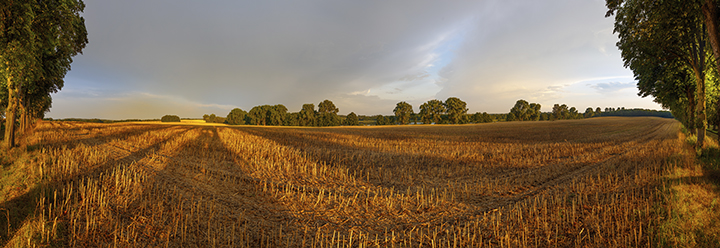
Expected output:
(363, 55)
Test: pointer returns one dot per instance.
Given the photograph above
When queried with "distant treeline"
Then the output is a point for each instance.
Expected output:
(638, 112)
(451, 111)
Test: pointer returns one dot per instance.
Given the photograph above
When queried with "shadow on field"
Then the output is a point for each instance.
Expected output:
(203, 169)
(387, 169)
(137, 129)
(23, 206)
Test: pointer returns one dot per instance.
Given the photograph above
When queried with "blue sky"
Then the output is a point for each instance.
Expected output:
(146, 59)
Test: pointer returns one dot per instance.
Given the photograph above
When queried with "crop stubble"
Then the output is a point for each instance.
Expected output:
(586, 182)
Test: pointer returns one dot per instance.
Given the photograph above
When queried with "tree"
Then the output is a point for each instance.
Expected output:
(170, 118)
(665, 40)
(520, 111)
(524, 111)
(560, 112)
(351, 120)
(573, 113)
(534, 111)
(37, 42)
(292, 119)
(327, 106)
(258, 115)
(236, 117)
(276, 115)
(403, 111)
(456, 110)
(431, 111)
(381, 120)
(589, 113)
(307, 115)
(327, 113)
(511, 117)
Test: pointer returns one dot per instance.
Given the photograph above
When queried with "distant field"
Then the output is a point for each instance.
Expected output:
(567, 183)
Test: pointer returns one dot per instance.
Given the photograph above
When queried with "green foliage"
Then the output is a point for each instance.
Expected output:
(524, 111)
(351, 120)
(327, 106)
(327, 114)
(37, 42)
(636, 112)
(307, 115)
(431, 111)
(382, 120)
(292, 119)
(456, 110)
(273, 115)
(403, 111)
(482, 117)
(236, 117)
(170, 118)
(589, 112)
(665, 44)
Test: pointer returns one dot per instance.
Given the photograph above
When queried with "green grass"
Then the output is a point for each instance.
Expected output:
(690, 207)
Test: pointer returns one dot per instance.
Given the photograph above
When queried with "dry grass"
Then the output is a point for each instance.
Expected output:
(595, 182)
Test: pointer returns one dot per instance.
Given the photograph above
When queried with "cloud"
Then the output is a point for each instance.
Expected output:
(611, 87)
(521, 49)
(208, 56)
(253, 53)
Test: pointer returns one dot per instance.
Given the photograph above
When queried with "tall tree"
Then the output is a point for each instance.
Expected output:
(37, 42)
(456, 110)
(431, 111)
(403, 111)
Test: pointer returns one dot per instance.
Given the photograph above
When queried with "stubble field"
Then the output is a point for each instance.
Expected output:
(590, 182)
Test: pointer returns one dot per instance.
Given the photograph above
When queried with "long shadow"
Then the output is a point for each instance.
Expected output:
(23, 206)
(538, 132)
(206, 156)
(299, 140)
(102, 139)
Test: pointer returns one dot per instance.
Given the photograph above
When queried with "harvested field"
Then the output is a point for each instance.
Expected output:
(590, 182)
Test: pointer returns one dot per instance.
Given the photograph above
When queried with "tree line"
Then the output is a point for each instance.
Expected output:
(277, 115)
(673, 48)
(451, 111)
(37, 42)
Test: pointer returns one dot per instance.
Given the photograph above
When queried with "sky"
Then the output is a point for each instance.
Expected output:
(146, 59)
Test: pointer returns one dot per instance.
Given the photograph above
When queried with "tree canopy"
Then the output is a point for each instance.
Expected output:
(37, 42)
(236, 117)
(403, 111)
(431, 111)
(351, 120)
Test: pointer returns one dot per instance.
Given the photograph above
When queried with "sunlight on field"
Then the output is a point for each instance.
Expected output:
(566, 183)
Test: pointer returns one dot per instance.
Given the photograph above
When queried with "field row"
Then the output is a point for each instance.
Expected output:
(584, 182)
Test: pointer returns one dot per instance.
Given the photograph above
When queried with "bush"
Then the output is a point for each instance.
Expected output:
(170, 118)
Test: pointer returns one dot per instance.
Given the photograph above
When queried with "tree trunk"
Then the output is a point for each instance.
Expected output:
(11, 115)
(710, 12)
(690, 112)
(22, 113)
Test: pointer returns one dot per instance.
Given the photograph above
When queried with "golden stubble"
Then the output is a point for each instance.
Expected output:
(565, 183)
